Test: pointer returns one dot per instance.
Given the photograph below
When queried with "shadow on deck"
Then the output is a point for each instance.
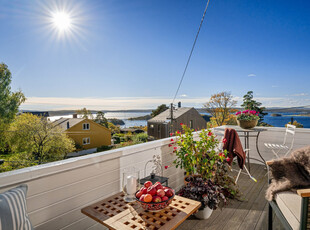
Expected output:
(251, 213)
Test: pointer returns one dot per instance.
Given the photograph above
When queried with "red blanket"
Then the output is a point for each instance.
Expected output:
(234, 147)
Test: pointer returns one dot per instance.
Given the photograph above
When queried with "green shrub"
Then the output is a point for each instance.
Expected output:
(298, 125)
(140, 138)
(103, 148)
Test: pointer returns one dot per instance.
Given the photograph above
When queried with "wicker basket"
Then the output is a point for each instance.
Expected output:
(247, 124)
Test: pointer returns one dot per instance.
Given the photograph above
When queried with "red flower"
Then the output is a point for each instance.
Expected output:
(178, 132)
(175, 148)
(227, 159)
(169, 145)
(224, 140)
(186, 155)
(171, 139)
(166, 166)
(181, 124)
(210, 133)
(171, 134)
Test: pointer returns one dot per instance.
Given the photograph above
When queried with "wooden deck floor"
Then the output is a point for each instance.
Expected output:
(251, 213)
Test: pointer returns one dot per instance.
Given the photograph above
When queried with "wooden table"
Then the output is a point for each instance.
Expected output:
(115, 213)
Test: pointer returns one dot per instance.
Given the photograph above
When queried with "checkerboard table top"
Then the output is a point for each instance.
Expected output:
(115, 213)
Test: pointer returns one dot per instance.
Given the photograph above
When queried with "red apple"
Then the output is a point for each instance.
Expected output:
(139, 194)
(144, 190)
(164, 187)
(142, 198)
(160, 192)
(148, 184)
(151, 190)
(164, 198)
(156, 199)
(158, 185)
(168, 192)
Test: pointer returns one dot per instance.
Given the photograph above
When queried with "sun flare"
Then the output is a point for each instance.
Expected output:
(62, 21)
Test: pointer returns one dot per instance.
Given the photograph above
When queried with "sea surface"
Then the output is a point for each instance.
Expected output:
(275, 121)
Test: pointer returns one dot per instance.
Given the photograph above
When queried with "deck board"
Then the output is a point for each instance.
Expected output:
(248, 214)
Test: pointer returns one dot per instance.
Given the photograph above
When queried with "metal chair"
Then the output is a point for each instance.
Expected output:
(279, 148)
(221, 133)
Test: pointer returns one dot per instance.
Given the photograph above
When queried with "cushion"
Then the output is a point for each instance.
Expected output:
(290, 205)
(13, 209)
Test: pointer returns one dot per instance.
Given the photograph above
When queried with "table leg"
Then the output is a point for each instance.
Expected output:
(258, 149)
(248, 147)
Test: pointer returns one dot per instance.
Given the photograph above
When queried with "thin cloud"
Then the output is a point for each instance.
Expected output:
(252, 75)
(183, 95)
(300, 95)
(274, 86)
(113, 103)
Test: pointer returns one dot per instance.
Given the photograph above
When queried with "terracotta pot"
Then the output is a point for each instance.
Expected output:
(247, 124)
(204, 213)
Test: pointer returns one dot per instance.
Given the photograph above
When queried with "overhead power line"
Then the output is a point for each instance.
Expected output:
(190, 55)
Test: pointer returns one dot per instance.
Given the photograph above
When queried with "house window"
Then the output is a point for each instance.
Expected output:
(85, 126)
(191, 124)
(86, 141)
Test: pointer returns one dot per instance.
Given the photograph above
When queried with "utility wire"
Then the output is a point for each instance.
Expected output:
(189, 58)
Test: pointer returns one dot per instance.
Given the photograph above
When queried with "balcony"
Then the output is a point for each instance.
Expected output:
(58, 190)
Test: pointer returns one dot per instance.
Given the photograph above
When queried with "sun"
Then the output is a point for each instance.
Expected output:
(62, 21)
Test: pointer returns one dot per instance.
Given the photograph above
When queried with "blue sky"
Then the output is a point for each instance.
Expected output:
(131, 54)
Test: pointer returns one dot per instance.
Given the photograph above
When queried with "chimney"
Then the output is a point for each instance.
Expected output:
(74, 115)
(68, 125)
(179, 104)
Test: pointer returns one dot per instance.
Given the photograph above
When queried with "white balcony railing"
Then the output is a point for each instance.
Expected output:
(58, 190)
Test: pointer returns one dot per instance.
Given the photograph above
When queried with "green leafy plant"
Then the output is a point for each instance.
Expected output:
(198, 156)
(140, 138)
(202, 156)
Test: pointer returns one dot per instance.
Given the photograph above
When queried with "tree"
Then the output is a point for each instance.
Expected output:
(161, 108)
(9, 102)
(220, 106)
(100, 119)
(250, 104)
(85, 113)
(39, 138)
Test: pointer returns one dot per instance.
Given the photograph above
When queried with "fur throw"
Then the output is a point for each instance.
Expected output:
(290, 173)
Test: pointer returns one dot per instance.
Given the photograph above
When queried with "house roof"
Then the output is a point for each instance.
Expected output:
(165, 116)
(62, 122)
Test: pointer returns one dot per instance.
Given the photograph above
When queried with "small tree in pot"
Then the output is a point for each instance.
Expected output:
(205, 165)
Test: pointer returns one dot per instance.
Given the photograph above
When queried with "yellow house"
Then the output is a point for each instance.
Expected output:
(86, 133)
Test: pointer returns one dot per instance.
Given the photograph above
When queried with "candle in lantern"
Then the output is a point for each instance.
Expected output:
(131, 185)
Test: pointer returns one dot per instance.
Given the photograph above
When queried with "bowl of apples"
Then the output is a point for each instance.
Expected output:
(154, 197)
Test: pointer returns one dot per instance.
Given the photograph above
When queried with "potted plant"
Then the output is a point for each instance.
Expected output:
(198, 156)
(209, 194)
(201, 158)
(247, 119)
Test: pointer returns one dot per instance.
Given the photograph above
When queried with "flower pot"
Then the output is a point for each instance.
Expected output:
(204, 213)
(247, 124)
